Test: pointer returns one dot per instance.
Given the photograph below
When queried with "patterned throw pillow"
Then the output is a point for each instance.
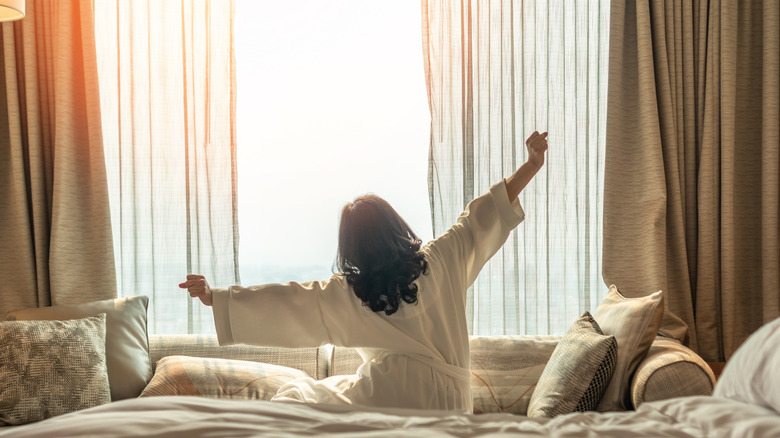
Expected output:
(505, 370)
(219, 378)
(578, 371)
(50, 368)
(127, 344)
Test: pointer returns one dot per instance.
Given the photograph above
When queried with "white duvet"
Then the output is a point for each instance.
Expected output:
(203, 417)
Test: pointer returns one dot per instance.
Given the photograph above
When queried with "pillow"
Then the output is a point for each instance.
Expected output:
(127, 344)
(578, 371)
(752, 374)
(505, 370)
(50, 368)
(634, 323)
(219, 378)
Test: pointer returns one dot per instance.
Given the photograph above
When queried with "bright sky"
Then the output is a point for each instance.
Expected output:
(331, 105)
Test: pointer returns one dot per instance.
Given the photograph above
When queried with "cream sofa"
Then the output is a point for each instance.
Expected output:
(504, 368)
(110, 357)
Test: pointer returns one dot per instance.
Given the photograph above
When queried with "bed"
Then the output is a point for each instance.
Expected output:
(198, 417)
(745, 403)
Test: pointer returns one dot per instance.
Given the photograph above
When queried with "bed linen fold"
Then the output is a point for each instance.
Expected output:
(202, 417)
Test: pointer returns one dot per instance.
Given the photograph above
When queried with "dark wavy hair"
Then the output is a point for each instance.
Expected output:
(379, 254)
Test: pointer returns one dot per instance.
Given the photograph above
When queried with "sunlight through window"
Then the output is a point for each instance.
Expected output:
(331, 105)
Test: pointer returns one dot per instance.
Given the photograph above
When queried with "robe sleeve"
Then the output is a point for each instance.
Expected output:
(298, 315)
(274, 315)
(478, 234)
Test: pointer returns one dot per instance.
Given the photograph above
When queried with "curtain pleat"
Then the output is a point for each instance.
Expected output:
(168, 99)
(56, 232)
(496, 71)
(691, 199)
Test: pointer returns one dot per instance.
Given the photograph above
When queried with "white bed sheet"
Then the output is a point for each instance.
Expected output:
(203, 417)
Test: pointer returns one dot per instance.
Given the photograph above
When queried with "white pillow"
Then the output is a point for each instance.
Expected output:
(752, 374)
(634, 322)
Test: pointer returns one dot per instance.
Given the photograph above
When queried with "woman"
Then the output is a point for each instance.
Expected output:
(401, 306)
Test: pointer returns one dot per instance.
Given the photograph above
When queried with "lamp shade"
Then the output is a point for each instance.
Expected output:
(11, 10)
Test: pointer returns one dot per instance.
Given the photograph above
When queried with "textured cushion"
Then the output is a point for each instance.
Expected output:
(220, 378)
(577, 373)
(308, 360)
(670, 370)
(342, 360)
(505, 370)
(752, 374)
(127, 344)
(634, 323)
(50, 368)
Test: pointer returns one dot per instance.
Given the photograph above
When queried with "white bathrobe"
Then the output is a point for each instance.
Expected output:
(417, 357)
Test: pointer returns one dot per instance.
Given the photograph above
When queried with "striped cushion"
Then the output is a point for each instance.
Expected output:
(304, 359)
(578, 371)
(219, 378)
(505, 370)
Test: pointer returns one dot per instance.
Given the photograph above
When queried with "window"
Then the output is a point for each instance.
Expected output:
(331, 105)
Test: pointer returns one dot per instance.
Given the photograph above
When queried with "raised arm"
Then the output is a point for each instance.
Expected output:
(485, 224)
(537, 146)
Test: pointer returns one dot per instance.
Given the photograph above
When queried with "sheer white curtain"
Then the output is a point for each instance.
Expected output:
(167, 90)
(496, 71)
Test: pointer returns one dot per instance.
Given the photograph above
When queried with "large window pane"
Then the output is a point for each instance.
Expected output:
(331, 105)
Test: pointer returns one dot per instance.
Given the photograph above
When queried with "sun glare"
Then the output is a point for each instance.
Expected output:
(331, 105)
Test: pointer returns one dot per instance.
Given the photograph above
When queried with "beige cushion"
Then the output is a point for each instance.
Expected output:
(577, 373)
(505, 370)
(634, 323)
(219, 378)
(342, 360)
(127, 344)
(308, 360)
(670, 370)
(50, 368)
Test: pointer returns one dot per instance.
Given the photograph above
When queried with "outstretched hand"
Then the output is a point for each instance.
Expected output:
(537, 146)
(198, 287)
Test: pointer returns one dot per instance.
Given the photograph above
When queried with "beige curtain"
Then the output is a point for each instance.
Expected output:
(55, 243)
(168, 96)
(692, 163)
(496, 71)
